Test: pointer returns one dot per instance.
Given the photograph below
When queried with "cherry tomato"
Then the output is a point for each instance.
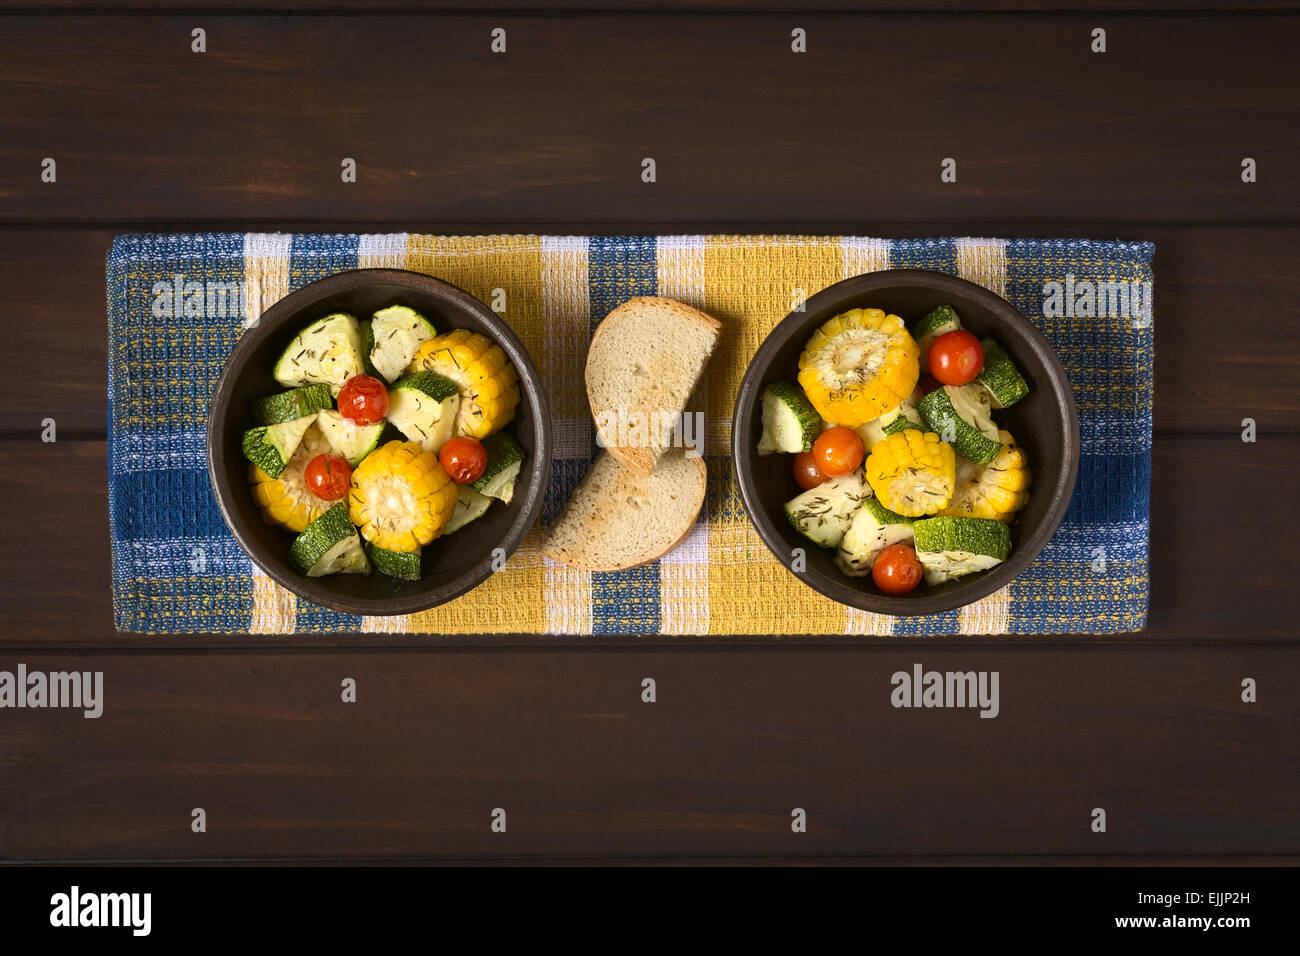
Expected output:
(838, 451)
(328, 477)
(806, 473)
(928, 384)
(897, 569)
(956, 357)
(364, 399)
(464, 459)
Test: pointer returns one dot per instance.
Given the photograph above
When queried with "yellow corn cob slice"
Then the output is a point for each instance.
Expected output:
(489, 384)
(285, 500)
(401, 498)
(859, 365)
(995, 490)
(912, 472)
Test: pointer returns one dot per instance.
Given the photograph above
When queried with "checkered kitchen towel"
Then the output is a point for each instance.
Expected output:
(176, 568)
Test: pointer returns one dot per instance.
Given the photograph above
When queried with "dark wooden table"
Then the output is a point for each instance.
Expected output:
(1145, 141)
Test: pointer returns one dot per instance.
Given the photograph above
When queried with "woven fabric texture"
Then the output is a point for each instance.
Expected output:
(177, 304)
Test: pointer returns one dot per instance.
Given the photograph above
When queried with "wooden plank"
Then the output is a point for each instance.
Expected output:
(788, 8)
(1213, 285)
(568, 7)
(741, 128)
(560, 739)
(1216, 573)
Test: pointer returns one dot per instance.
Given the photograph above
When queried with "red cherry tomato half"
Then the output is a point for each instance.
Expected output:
(364, 399)
(328, 477)
(897, 569)
(463, 459)
(806, 473)
(956, 357)
(838, 451)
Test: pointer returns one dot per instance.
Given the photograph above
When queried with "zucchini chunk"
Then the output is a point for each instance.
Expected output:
(961, 415)
(327, 352)
(348, 439)
(953, 547)
(295, 403)
(934, 324)
(504, 459)
(404, 565)
(823, 514)
(1000, 377)
(395, 335)
(330, 545)
(270, 447)
(367, 346)
(790, 423)
(874, 528)
(899, 419)
(470, 506)
(423, 406)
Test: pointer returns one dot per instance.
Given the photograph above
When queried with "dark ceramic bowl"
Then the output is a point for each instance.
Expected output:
(449, 571)
(1045, 424)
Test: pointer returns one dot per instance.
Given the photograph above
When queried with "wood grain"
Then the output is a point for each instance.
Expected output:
(1144, 142)
(637, 8)
(561, 741)
(1211, 580)
(1213, 285)
(741, 128)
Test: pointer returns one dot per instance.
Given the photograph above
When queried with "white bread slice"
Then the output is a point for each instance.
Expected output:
(643, 364)
(618, 519)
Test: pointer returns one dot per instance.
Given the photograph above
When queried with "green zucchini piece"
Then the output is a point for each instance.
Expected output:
(367, 345)
(470, 506)
(1000, 377)
(330, 545)
(396, 564)
(790, 423)
(903, 423)
(328, 351)
(823, 514)
(295, 403)
(396, 334)
(270, 447)
(952, 547)
(504, 459)
(874, 528)
(934, 324)
(423, 406)
(898, 419)
(348, 439)
(959, 414)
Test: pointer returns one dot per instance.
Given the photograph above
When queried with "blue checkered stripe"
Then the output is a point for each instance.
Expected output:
(176, 567)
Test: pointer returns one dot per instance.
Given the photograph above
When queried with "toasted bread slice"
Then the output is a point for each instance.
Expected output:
(643, 364)
(618, 519)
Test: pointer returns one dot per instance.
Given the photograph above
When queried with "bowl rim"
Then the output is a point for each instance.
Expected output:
(1025, 551)
(531, 390)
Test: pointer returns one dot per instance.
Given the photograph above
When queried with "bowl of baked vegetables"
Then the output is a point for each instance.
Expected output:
(379, 442)
(907, 443)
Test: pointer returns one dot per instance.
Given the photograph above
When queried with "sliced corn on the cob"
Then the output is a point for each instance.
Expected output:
(997, 489)
(912, 472)
(489, 384)
(859, 365)
(401, 498)
(285, 500)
